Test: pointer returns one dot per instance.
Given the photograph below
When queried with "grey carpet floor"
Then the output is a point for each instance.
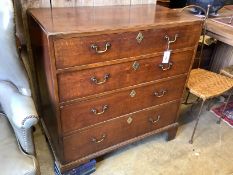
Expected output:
(210, 154)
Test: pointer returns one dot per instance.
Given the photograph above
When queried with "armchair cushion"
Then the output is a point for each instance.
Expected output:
(13, 160)
(11, 66)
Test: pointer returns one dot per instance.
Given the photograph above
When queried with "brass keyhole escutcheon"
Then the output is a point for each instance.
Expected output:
(139, 37)
(129, 120)
(136, 65)
(133, 93)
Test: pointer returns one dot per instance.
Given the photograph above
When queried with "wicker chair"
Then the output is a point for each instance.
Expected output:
(205, 84)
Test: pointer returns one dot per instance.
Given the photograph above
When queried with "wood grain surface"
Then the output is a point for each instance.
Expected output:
(118, 130)
(120, 76)
(77, 51)
(84, 20)
(79, 115)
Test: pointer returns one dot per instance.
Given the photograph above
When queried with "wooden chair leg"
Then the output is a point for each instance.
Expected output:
(197, 120)
(225, 106)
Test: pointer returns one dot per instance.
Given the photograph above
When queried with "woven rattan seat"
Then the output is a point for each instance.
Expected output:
(205, 84)
(228, 71)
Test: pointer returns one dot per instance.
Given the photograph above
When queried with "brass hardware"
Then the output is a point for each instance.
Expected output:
(167, 67)
(160, 93)
(129, 120)
(135, 65)
(139, 37)
(99, 113)
(133, 93)
(170, 41)
(100, 140)
(96, 48)
(94, 79)
(154, 121)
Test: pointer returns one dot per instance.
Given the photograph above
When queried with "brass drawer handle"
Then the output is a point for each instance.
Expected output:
(167, 67)
(170, 41)
(100, 140)
(96, 48)
(160, 93)
(99, 113)
(106, 77)
(154, 121)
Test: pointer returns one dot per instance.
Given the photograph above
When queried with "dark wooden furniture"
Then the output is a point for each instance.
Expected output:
(101, 78)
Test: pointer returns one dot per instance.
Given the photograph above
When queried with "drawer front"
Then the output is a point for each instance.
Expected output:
(120, 75)
(93, 49)
(104, 135)
(156, 40)
(83, 50)
(86, 113)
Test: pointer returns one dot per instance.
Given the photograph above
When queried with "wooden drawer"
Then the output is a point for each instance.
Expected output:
(154, 40)
(79, 51)
(120, 75)
(80, 115)
(118, 130)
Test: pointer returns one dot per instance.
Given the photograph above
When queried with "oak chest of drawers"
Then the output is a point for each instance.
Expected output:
(103, 79)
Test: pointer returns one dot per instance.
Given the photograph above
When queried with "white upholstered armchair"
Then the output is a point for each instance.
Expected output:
(17, 109)
(16, 121)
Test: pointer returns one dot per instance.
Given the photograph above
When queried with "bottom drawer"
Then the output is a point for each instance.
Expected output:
(118, 130)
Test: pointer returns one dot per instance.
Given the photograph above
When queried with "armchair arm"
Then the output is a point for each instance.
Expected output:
(19, 109)
(21, 113)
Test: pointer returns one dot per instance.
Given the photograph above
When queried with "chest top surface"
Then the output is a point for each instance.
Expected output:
(107, 18)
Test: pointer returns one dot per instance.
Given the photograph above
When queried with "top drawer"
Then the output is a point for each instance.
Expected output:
(93, 49)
